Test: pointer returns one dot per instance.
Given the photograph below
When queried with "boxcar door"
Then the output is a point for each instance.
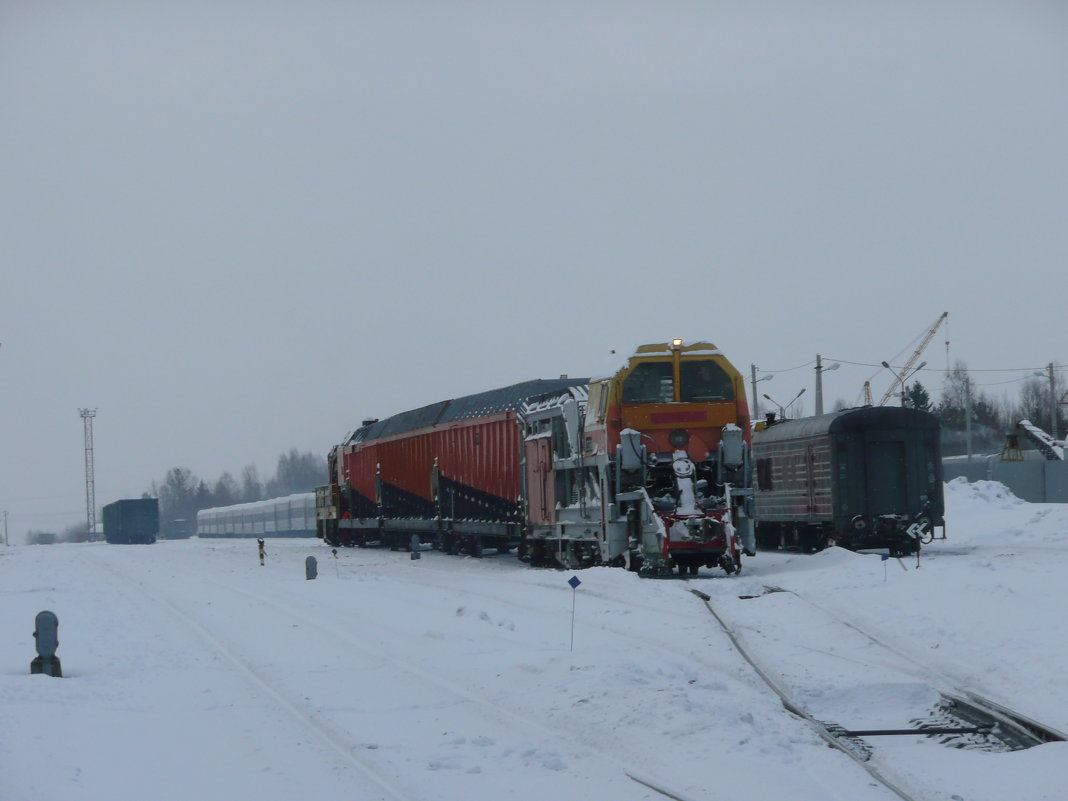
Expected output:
(887, 491)
(541, 489)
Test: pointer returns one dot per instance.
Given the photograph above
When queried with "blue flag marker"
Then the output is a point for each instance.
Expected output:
(574, 582)
(885, 556)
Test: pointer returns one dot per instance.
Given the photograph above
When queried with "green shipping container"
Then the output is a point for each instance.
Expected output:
(131, 521)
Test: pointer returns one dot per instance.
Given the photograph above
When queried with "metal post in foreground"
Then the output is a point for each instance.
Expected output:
(46, 635)
(574, 582)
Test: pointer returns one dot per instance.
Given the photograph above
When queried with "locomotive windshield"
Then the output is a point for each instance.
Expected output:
(700, 382)
(650, 382)
(704, 382)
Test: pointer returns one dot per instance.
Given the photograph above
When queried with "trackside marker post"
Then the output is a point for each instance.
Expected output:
(574, 582)
(46, 635)
(337, 569)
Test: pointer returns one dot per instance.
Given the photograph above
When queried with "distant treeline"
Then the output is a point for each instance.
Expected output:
(182, 494)
(992, 418)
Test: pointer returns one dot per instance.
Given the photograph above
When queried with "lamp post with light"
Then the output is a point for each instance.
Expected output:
(903, 377)
(782, 409)
(754, 380)
(1052, 399)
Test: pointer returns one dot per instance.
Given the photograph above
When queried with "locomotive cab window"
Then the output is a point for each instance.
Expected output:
(704, 382)
(650, 382)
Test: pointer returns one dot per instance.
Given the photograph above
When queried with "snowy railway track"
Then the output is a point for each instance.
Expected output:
(334, 736)
(961, 717)
(329, 736)
(650, 781)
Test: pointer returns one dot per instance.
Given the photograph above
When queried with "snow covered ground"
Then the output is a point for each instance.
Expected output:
(191, 672)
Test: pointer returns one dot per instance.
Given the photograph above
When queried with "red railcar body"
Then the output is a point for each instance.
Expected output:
(450, 470)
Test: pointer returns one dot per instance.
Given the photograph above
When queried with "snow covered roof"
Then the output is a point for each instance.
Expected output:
(481, 404)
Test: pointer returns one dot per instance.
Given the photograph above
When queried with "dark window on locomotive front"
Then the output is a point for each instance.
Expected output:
(650, 382)
(705, 382)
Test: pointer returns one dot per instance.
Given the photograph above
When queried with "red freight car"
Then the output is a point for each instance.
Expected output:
(448, 472)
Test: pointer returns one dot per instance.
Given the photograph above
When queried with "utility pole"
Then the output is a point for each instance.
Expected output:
(756, 398)
(5, 528)
(90, 487)
(968, 415)
(755, 381)
(819, 385)
(1052, 403)
(820, 370)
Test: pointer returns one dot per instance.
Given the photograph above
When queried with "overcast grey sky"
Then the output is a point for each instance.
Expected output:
(237, 228)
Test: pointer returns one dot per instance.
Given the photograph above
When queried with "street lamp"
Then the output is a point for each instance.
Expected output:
(1052, 399)
(904, 376)
(754, 381)
(782, 409)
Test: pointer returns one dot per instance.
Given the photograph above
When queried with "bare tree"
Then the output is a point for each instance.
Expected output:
(226, 491)
(178, 495)
(297, 472)
(1033, 403)
(251, 487)
(74, 533)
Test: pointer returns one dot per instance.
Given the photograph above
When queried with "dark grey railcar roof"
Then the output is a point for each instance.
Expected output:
(480, 404)
(860, 419)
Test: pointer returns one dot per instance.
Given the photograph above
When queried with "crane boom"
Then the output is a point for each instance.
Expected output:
(915, 355)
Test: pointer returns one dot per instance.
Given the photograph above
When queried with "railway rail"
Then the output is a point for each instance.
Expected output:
(961, 718)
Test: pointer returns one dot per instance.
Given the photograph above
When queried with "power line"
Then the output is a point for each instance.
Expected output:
(963, 369)
(788, 369)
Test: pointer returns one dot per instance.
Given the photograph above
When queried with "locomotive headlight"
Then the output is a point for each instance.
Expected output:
(679, 438)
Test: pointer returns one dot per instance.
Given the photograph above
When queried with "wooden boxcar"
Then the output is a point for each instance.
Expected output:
(861, 478)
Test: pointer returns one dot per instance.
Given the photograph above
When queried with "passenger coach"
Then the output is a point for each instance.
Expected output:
(860, 478)
(290, 516)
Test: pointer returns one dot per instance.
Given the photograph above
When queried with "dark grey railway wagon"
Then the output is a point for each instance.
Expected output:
(133, 521)
(861, 478)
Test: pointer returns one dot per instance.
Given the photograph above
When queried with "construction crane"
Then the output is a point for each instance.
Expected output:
(915, 355)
